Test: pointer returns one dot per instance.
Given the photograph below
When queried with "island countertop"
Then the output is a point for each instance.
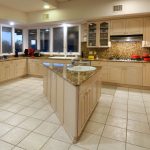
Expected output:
(75, 78)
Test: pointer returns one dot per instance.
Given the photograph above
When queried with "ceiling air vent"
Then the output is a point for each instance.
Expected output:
(117, 8)
(45, 16)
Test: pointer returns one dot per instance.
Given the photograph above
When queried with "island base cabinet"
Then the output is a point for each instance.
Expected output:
(146, 74)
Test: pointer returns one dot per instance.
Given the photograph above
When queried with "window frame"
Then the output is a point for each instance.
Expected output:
(12, 39)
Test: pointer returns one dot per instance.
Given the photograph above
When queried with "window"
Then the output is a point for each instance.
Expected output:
(6, 40)
(58, 39)
(73, 39)
(32, 36)
(18, 40)
(44, 40)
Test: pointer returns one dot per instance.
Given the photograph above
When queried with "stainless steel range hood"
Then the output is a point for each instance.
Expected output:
(126, 38)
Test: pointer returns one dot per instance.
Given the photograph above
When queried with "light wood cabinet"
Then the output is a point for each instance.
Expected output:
(133, 75)
(115, 74)
(127, 26)
(20, 67)
(118, 27)
(134, 26)
(98, 34)
(146, 42)
(146, 74)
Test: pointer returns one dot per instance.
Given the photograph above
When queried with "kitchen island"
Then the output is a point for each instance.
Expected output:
(73, 95)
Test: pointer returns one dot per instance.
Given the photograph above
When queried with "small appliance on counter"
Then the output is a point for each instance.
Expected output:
(146, 57)
(16, 52)
(136, 57)
(37, 53)
(26, 53)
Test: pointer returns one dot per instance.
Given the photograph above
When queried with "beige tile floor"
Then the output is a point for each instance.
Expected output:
(121, 120)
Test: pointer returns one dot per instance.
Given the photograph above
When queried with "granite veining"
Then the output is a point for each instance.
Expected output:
(75, 78)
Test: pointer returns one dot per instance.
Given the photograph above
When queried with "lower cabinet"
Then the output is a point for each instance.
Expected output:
(146, 74)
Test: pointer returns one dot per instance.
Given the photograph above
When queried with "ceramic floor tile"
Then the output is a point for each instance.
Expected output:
(15, 136)
(116, 105)
(74, 147)
(114, 133)
(138, 126)
(28, 111)
(97, 117)
(42, 114)
(55, 145)
(15, 108)
(15, 119)
(17, 148)
(61, 135)
(5, 146)
(30, 124)
(120, 100)
(5, 115)
(116, 121)
(118, 113)
(138, 139)
(4, 128)
(53, 119)
(136, 109)
(134, 147)
(109, 144)
(137, 117)
(102, 109)
(33, 142)
(88, 141)
(94, 128)
(46, 129)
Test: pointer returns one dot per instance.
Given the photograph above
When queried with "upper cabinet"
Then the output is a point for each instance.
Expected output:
(98, 34)
(92, 35)
(146, 42)
(127, 26)
(117, 27)
(104, 34)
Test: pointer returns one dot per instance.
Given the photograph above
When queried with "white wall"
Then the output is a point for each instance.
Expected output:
(90, 9)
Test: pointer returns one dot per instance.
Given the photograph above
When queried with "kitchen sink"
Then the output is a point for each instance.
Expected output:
(81, 68)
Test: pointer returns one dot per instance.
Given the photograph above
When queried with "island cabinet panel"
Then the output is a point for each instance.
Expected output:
(146, 74)
(88, 97)
(53, 90)
(60, 98)
(70, 109)
(46, 84)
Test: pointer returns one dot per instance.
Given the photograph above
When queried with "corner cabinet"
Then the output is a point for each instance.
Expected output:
(98, 34)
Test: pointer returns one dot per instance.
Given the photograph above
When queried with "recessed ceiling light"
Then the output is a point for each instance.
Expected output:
(46, 6)
(12, 23)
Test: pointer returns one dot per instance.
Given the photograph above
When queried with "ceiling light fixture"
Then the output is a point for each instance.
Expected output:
(46, 6)
(12, 23)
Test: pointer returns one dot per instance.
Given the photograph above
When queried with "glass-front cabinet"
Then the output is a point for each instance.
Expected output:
(92, 35)
(98, 34)
(104, 34)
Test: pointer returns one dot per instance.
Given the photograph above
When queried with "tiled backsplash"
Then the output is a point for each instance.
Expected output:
(117, 49)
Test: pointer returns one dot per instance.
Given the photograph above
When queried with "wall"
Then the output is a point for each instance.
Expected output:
(87, 9)
(117, 49)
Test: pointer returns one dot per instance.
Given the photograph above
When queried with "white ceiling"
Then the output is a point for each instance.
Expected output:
(27, 5)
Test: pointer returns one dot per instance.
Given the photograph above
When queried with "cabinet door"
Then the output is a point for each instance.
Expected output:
(134, 26)
(33, 67)
(133, 76)
(147, 32)
(115, 74)
(93, 35)
(146, 74)
(60, 99)
(104, 34)
(53, 90)
(117, 27)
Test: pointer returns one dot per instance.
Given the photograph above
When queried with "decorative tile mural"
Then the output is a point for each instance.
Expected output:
(117, 50)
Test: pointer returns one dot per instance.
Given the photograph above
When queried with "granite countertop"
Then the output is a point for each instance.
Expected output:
(75, 78)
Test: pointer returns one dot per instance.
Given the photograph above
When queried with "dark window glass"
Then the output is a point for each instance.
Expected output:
(73, 39)
(6, 40)
(32, 34)
(18, 40)
(44, 40)
(58, 39)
